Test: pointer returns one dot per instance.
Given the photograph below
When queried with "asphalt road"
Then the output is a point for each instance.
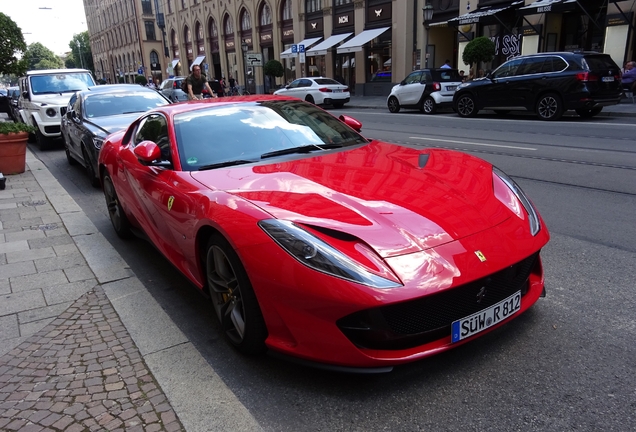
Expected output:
(567, 364)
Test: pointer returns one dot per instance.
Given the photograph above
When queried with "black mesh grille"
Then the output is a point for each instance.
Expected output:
(415, 322)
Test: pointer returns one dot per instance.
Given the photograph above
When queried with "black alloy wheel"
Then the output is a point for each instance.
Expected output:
(466, 106)
(309, 98)
(44, 142)
(393, 104)
(90, 170)
(117, 216)
(233, 298)
(549, 107)
(429, 106)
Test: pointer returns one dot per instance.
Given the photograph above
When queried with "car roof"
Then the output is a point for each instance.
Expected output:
(117, 87)
(183, 107)
(55, 71)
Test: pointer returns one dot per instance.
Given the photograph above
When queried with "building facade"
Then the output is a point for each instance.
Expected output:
(366, 44)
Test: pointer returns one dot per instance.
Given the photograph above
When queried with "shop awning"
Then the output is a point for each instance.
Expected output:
(322, 47)
(307, 42)
(360, 40)
(543, 6)
(197, 61)
(484, 15)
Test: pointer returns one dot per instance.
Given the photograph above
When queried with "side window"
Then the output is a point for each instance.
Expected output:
(428, 77)
(532, 65)
(305, 83)
(414, 77)
(507, 69)
(77, 106)
(71, 102)
(295, 84)
(155, 128)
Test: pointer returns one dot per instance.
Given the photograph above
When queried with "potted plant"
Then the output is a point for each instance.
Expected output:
(13, 142)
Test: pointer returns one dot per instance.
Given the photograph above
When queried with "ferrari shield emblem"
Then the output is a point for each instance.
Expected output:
(170, 202)
(481, 256)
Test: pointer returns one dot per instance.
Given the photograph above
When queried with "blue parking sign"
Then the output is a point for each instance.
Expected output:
(294, 49)
(301, 48)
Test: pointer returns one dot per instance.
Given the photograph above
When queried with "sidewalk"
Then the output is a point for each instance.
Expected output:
(83, 345)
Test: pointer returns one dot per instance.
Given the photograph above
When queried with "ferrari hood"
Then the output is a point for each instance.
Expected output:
(396, 199)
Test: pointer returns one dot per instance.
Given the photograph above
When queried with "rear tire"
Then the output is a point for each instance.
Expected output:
(393, 104)
(466, 106)
(429, 106)
(585, 113)
(115, 211)
(309, 99)
(549, 107)
(233, 298)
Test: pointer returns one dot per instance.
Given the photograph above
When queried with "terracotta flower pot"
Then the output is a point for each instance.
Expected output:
(13, 152)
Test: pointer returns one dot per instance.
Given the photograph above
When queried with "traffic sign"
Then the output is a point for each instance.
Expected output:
(206, 67)
(254, 59)
(301, 48)
(140, 71)
(301, 57)
(294, 49)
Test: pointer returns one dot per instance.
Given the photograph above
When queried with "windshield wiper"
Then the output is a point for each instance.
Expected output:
(300, 149)
(133, 112)
(225, 164)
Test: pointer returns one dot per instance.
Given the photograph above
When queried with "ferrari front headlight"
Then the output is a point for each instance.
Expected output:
(318, 255)
(533, 216)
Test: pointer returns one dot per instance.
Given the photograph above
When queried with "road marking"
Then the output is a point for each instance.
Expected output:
(473, 143)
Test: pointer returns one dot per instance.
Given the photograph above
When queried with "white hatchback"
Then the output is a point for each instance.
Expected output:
(425, 89)
(317, 90)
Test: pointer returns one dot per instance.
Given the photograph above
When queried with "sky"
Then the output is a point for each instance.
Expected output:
(54, 28)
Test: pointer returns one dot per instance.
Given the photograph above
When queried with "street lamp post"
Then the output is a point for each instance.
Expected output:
(427, 12)
(79, 48)
(244, 48)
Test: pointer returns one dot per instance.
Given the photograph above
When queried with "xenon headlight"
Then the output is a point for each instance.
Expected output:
(318, 255)
(533, 217)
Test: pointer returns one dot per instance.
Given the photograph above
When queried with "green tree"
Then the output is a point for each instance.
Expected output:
(81, 55)
(38, 56)
(480, 49)
(12, 46)
(141, 80)
(273, 69)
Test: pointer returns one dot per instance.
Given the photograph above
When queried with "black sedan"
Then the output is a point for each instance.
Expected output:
(93, 114)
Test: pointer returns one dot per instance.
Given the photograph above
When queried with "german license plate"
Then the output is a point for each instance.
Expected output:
(486, 318)
(608, 79)
(337, 91)
(451, 88)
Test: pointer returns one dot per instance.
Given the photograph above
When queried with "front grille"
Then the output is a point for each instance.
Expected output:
(422, 320)
(52, 129)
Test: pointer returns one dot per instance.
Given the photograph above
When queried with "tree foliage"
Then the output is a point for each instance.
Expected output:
(141, 80)
(81, 55)
(12, 45)
(480, 49)
(274, 68)
(38, 56)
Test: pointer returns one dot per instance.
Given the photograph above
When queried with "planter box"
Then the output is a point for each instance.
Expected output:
(13, 152)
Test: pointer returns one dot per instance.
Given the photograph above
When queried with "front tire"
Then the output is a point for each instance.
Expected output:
(69, 158)
(549, 107)
(233, 298)
(466, 106)
(393, 104)
(116, 213)
(44, 143)
(90, 170)
(429, 106)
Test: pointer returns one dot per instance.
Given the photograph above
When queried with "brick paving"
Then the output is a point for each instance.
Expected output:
(82, 372)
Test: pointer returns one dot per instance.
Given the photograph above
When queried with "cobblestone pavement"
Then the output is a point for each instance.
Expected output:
(82, 372)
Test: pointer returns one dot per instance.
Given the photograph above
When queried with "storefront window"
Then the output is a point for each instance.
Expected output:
(379, 59)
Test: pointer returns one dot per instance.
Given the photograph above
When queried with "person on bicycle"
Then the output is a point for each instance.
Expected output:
(196, 83)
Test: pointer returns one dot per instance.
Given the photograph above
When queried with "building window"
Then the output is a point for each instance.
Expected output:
(245, 21)
(342, 2)
(229, 28)
(169, 6)
(154, 57)
(313, 6)
(146, 7)
(266, 15)
(183, 4)
(287, 10)
(150, 30)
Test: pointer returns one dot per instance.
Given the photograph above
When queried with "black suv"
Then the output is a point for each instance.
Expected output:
(545, 83)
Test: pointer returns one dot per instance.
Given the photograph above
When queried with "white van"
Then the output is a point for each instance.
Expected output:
(43, 93)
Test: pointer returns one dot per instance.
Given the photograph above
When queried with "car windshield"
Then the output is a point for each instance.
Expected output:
(110, 104)
(245, 132)
(60, 83)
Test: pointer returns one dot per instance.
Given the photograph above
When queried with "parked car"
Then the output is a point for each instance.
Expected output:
(315, 242)
(98, 111)
(5, 106)
(425, 89)
(13, 95)
(317, 90)
(171, 88)
(547, 83)
(43, 93)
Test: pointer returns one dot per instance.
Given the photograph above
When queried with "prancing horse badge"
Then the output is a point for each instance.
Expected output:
(481, 256)
(171, 201)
